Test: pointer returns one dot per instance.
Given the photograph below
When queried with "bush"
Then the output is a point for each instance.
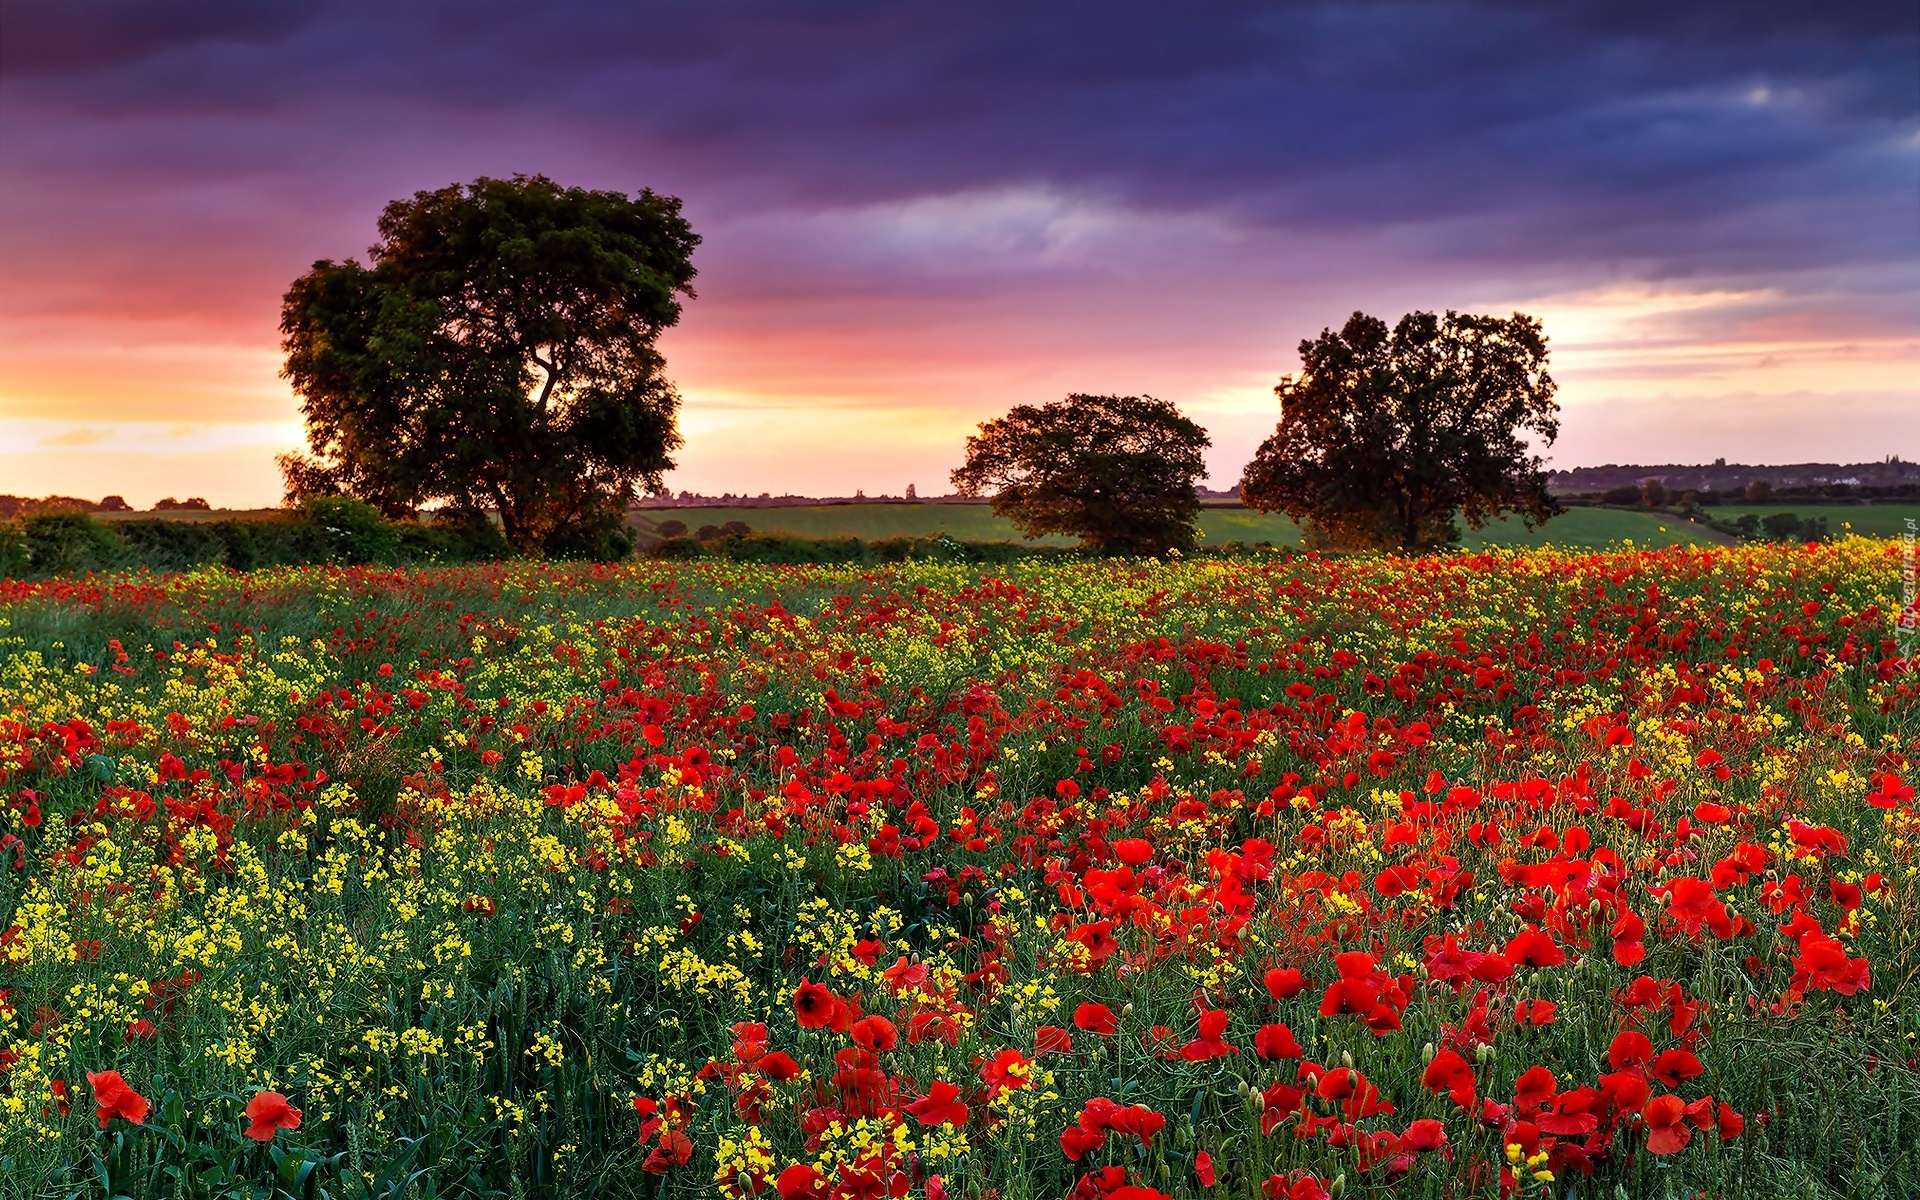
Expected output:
(678, 549)
(471, 536)
(340, 529)
(249, 545)
(67, 543)
(173, 545)
(607, 538)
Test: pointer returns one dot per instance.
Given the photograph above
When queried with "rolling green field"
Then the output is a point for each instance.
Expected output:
(1873, 520)
(1580, 527)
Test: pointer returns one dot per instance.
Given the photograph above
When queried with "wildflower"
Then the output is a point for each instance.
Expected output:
(1095, 1018)
(940, 1106)
(268, 1113)
(1667, 1129)
(875, 1033)
(1275, 1041)
(1209, 1043)
(113, 1098)
(1449, 1073)
(1285, 984)
(818, 1008)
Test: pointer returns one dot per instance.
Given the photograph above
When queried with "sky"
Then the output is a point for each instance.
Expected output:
(916, 215)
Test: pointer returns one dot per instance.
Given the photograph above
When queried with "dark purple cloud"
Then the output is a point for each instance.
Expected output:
(1647, 130)
(1215, 175)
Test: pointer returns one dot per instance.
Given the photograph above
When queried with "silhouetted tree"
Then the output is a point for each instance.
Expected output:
(1118, 472)
(1387, 435)
(498, 351)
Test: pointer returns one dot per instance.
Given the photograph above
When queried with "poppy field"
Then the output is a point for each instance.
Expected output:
(1520, 873)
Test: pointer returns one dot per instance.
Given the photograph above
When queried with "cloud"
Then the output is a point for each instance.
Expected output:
(959, 207)
(77, 437)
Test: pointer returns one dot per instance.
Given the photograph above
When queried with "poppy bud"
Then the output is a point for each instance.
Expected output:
(1346, 1059)
(1338, 1187)
(1483, 1052)
(1426, 1052)
(1243, 1089)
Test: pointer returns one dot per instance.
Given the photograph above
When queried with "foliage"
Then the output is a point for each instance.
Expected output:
(1110, 880)
(1387, 435)
(1118, 472)
(328, 529)
(497, 352)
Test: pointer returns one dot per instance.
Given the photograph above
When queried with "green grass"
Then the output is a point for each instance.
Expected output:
(1874, 520)
(1580, 527)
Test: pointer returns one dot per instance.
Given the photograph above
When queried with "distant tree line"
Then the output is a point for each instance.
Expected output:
(496, 361)
(321, 529)
(1652, 493)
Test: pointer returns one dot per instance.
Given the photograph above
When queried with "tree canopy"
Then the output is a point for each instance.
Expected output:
(1116, 471)
(1386, 435)
(496, 352)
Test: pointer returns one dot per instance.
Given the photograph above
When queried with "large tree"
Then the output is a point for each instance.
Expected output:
(1387, 435)
(497, 352)
(1116, 471)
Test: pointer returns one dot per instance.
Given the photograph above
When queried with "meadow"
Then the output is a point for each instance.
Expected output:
(1537, 873)
(1579, 528)
(1869, 520)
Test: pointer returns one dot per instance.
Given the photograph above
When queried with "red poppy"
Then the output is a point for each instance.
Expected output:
(875, 1033)
(113, 1098)
(818, 1008)
(778, 1066)
(1077, 1140)
(1534, 1089)
(799, 1182)
(1203, 1168)
(1629, 934)
(1006, 1071)
(1731, 1123)
(1673, 1066)
(1449, 1073)
(1629, 1049)
(1424, 1135)
(674, 1150)
(1209, 1043)
(1051, 1039)
(1284, 984)
(1276, 1041)
(1134, 851)
(1532, 948)
(1667, 1129)
(269, 1112)
(940, 1106)
(1095, 1018)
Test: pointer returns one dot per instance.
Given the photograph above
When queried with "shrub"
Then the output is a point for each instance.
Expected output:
(678, 549)
(340, 529)
(67, 543)
(172, 545)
